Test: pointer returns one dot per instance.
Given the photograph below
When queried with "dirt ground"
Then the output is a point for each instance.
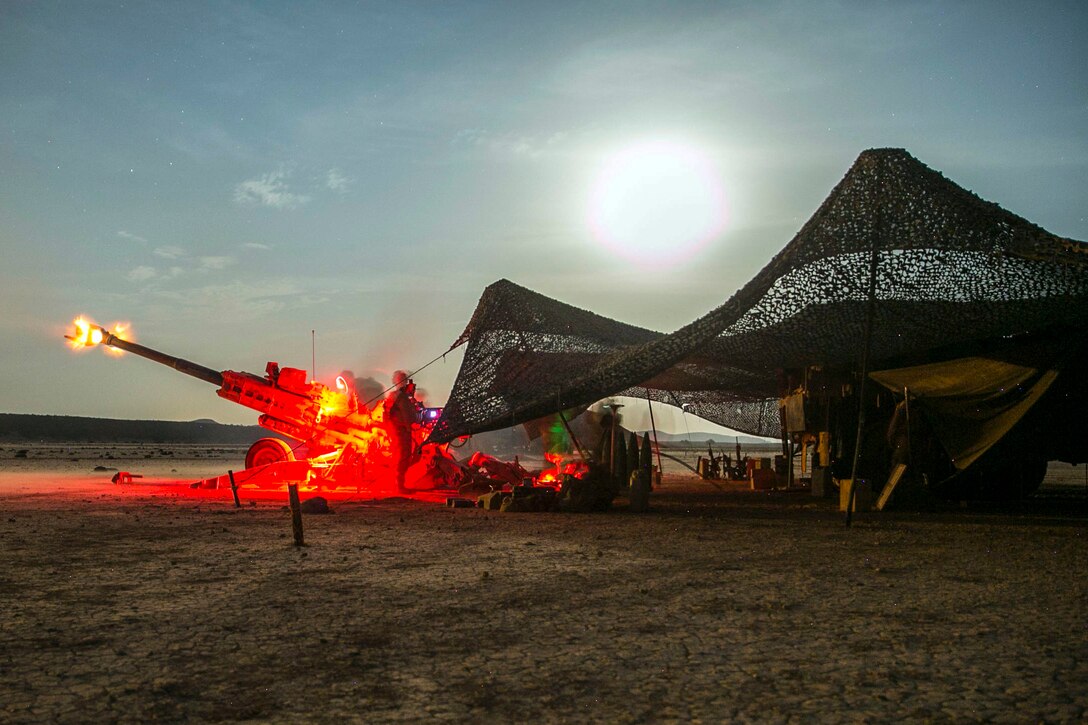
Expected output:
(145, 603)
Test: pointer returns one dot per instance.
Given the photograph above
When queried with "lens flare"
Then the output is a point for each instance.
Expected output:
(657, 203)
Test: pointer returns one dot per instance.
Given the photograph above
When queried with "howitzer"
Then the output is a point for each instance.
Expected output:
(342, 437)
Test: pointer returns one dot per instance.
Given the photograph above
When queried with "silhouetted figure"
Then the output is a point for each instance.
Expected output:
(400, 414)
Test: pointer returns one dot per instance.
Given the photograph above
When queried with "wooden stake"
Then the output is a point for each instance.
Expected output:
(234, 489)
(296, 513)
(889, 487)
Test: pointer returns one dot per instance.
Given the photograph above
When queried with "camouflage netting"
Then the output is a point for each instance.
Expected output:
(943, 265)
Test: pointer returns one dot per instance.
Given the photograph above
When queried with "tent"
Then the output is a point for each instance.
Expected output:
(896, 249)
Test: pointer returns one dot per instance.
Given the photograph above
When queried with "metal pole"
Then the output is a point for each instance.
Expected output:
(612, 447)
(869, 313)
(906, 408)
(573, 438)
(789, 466)
(787, 445)
(653, 427)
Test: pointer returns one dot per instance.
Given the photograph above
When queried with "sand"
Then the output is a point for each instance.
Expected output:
(145, 603)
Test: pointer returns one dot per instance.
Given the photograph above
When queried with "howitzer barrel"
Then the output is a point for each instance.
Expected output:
(182, 366)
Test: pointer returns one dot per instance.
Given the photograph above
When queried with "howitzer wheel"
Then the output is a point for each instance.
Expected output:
(268, 450)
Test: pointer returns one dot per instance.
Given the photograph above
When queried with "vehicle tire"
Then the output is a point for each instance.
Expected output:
(268, 450)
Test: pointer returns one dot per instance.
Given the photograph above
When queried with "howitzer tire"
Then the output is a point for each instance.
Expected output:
(268, 450)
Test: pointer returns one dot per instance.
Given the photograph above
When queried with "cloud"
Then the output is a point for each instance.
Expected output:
(133, 237)
(169, 252)
(336, 181)
(203, 139)
(155, 276)
(216, 262)
(526, 146)
(236, 299)
(268, 190)
(256, 245)
(141, 274)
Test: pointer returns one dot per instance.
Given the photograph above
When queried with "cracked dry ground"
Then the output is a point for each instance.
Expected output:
(731, 606)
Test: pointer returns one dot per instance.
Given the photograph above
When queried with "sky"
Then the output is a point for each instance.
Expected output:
(338, 182)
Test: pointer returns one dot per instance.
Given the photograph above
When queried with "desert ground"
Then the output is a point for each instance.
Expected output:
(154, 602)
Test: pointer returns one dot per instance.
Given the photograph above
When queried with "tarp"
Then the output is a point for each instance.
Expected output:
(970, 403)
(944, 265)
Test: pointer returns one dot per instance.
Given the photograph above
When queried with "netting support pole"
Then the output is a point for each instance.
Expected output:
(906, 407)
(573, 438)
(870, 312)
(653, 427)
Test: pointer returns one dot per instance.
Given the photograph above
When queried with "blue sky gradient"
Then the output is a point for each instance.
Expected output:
(229, 176)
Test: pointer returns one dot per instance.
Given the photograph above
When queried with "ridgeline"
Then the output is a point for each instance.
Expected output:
(16, 427)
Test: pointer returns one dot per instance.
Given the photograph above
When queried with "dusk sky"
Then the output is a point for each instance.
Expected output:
(229, 176)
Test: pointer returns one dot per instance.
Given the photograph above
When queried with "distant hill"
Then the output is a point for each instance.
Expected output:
(699, 437)
(18, 427)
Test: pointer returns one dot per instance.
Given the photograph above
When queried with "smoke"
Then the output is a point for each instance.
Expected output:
(368, 388)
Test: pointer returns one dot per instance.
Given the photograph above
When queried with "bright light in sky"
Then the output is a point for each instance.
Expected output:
(657, 202)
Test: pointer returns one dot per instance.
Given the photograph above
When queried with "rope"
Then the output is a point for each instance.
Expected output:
(411, 374)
